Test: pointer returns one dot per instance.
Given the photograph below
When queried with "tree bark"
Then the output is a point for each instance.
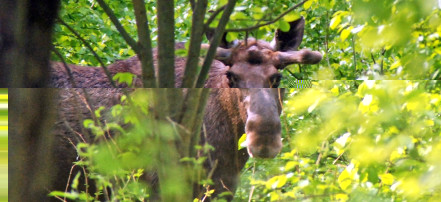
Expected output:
(166, 43)
(197, 32)
(30, 163)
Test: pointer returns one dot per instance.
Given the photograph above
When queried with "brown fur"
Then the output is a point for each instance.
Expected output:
(94, 77)
(225, 121)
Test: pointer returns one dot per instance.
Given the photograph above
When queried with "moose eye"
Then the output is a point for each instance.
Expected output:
(274, 80)
(233, 79)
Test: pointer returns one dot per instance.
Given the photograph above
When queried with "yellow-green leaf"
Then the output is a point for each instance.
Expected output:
(307, 4)
(292, 16)
(387, 178)
(345, 179)
(242, 143)
(335, 22)
(283, 26)
(395, 65)
(345, 33)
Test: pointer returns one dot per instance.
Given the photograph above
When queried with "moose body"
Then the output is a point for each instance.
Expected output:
(230, 112)
(241, 101)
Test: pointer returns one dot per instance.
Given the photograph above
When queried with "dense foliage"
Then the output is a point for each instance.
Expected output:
(359, 39)
(357, 141)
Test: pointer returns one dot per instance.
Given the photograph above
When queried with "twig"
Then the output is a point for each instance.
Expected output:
(119, 27)
(353, 52)
(292, 74)
(212, 17)
(69, 72)
(373, 59)
(267, 23)
(106, 71)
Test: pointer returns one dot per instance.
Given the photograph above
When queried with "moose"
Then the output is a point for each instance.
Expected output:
(244, 99)
(247, 64)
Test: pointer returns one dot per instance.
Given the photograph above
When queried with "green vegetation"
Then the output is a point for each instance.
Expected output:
(4, 144)
(356, 141)
(359, 39)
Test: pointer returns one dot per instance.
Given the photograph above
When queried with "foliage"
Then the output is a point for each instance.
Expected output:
(350, 140)
(359, 39)
(130, 149)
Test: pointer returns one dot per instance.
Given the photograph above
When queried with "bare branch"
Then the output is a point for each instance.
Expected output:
(269, 22)
(215, 43)
(119, 27)
(145, 54)
(106, 71)
(192, 4)
(69, 72)
(197, 31)
(213, 16)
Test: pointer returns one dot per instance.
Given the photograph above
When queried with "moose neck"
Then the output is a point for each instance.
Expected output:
(224, 125)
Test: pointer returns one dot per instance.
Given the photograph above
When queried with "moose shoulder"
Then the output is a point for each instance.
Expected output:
(245, 64)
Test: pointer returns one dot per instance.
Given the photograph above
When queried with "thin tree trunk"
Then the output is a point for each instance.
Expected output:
(197, 32)
(166, 43)
(145, 42)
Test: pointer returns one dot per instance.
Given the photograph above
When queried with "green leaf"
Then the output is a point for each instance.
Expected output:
(231, 36)
(307, 4)
(124, 77)
(98, 111)
(344, 34)
(290, 17)
(387, 178)
(335, 22)
(284, 26)
(88, 122)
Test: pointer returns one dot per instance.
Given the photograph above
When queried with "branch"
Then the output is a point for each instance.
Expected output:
(212, 17)
(192, 4)
(145, 44)
(267, 23)
(69, 72)
(119, 27)
(106, 71)
(197, 31)
(215, 43)
(166, 43)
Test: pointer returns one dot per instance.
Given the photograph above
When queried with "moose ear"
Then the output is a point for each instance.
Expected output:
(290, 41)
(224, 43)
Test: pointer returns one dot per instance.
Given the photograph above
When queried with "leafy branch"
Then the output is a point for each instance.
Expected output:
(106, 71)
(247, 29)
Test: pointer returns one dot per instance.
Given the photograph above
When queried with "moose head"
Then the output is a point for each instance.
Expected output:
(255, 63)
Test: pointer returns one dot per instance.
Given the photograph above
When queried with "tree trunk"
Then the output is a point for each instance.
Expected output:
(26, 42)
(30, 163)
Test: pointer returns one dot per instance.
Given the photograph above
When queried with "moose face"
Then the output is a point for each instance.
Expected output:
(255, 63)
(262, 126)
